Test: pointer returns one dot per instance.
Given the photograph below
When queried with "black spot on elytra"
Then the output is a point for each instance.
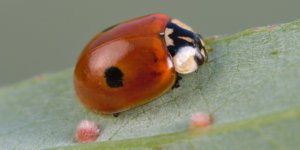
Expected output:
(155, 60)
(113, 76)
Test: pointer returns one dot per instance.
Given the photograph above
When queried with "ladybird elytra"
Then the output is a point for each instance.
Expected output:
(135, 62)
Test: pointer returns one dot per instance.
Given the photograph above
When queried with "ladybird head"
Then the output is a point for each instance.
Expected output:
(185, 46)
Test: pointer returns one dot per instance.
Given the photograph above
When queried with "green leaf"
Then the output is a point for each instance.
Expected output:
(250, 86)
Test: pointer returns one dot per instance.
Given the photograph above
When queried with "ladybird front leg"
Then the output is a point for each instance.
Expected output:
(176, 84)
(196, 70)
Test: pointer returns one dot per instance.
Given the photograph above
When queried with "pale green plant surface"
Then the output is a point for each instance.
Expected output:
(250, 86)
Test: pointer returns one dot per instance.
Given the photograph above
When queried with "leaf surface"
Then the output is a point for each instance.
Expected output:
(250, 87)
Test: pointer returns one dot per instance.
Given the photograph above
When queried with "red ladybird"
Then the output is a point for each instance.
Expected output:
(135, 62)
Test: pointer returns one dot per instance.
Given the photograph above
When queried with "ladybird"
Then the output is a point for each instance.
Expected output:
(135, 62)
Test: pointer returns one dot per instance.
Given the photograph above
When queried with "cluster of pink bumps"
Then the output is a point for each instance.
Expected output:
(88, 131)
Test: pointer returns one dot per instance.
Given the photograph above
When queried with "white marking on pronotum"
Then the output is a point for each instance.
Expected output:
(182, 25)
(186, 39)
(169, 41)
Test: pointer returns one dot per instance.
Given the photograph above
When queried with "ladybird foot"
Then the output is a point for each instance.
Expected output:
(176, 84)
(116, 114)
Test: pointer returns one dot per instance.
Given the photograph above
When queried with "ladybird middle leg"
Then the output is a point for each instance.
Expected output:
(176, 84)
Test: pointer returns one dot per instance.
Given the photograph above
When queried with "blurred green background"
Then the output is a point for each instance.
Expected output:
(47, 36)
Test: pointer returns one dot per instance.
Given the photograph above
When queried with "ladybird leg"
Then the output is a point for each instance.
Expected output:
(176, 84)
(179, 77)
(196, 70)
(116, 114)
